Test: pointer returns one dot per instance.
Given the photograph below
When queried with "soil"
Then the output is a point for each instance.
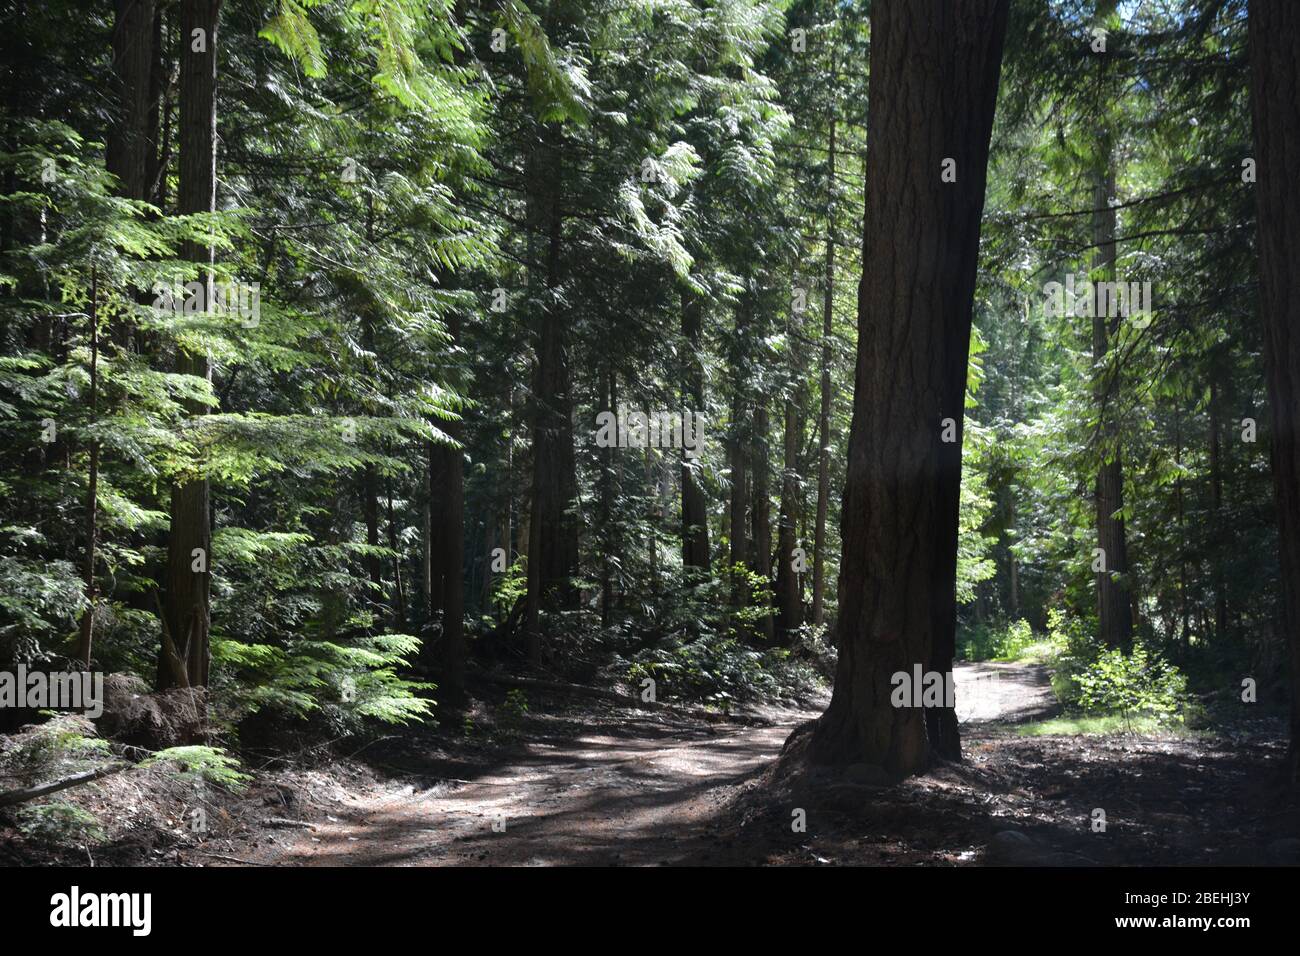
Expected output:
(596, 784)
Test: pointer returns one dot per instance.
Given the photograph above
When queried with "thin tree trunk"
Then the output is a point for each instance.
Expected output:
(1274, 27)
(824, 415)
(447, 548)
(739, 505)
(1114, 611)
(695, 518)
(787, 578)
(85, 639)
(606, 484)
(933, 88)
(1218, 555)
(760, 555)
(399, 608)
(1180, 505)
(370, 508)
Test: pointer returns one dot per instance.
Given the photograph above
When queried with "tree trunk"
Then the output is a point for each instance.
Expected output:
(158, 125)
(85, 636)
(1219, 555)
(1275, 91)
(448, 547)
(189, 541)
(606, 484)
(1114, 612)
(695, 517)
(824, 415)
(933, 88)
(399, 591)
(739, 504)
(129, 140)
(553, 531)
(787, 578)
(370, 509)
(761, 510)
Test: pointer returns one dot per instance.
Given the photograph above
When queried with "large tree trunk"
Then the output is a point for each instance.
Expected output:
(189, 540)
(695, 518)
(553, 530)
(933, 88)
(1114, 612)
(1275, 103)
(129, 139)
(824, 415)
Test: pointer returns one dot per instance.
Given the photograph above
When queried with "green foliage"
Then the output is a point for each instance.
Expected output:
(386, 167)
(200, 764)
(996, 641)
(1136, 683)
(722, 671)
(59, 823)
(1094, 679)
(354, 680)
(63, 745)
(513, 711)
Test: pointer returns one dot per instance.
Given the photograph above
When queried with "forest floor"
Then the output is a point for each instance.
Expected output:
(572, 781)
(601, 785)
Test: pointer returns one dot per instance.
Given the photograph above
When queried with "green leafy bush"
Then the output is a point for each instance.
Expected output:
(1092, 678)
(59, 823)
(513, 710)
(201, 764)
(1138, 683)
(996, 641)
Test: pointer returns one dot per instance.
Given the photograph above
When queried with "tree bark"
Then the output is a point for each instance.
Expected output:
(1114, 612)
(695, 517)
(760, 556)
(606, 484)
(824, 414)
(1274, 31)
(787, 578)
(129, 140)
(737, 461)
(86, 631)
(447, 548)
(1219, 555)
(187, 606)
(553, 530)
(933, 88)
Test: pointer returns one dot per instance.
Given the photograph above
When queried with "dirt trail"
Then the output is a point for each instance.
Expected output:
(634, 790)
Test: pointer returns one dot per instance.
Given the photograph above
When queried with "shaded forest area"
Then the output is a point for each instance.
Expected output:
(650, 431)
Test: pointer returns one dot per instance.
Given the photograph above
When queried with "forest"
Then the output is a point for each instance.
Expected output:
(644, 432)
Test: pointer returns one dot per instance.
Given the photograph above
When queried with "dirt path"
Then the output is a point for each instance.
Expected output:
(634, 790)
(1007, 693)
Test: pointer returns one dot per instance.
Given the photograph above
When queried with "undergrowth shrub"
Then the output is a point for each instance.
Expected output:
(1094, 679)
(995, 640)
(59, 823)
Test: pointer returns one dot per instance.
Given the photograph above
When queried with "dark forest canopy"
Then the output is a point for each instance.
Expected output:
(353, 352)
